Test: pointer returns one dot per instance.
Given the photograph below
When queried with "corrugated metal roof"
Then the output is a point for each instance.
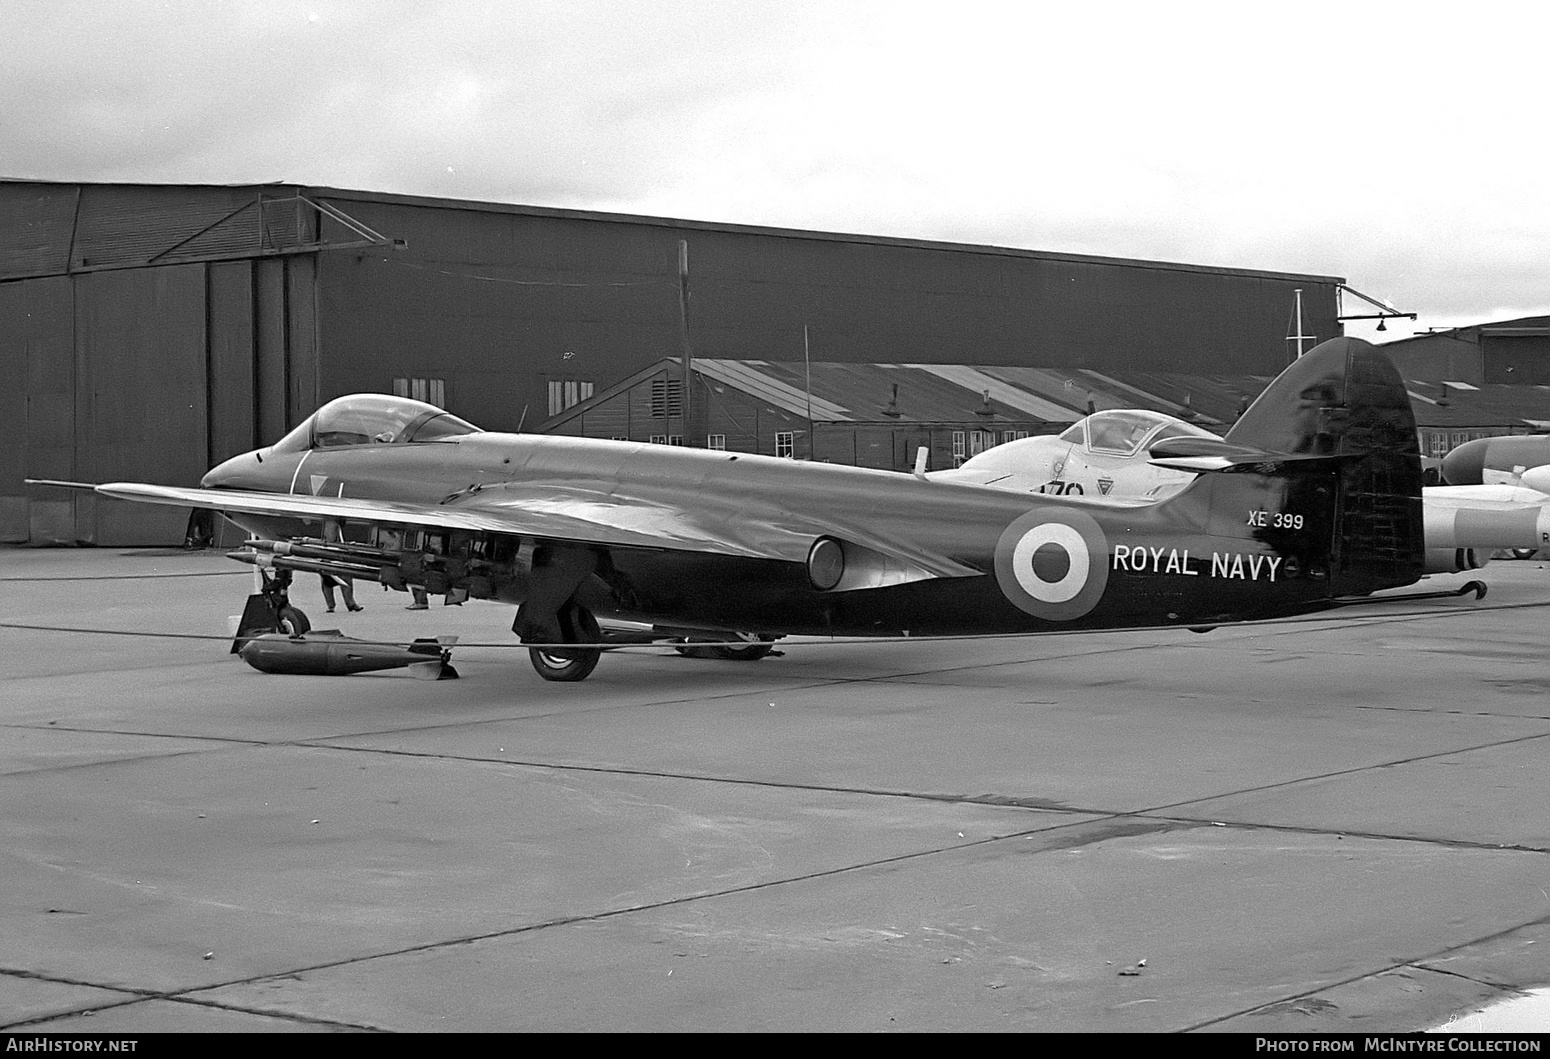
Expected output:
(1489, 404)
(1062, 387)
(956, 392)
(1213, 399)
(747, 376)
(867, 392)
(1145, 397)
(982, 382)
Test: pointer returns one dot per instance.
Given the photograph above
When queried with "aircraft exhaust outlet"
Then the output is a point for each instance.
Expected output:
(825, 563)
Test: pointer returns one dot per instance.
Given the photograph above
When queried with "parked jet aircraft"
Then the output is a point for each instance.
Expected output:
(1105, 454)
(1109, 454)
(1312, 497)
(1496, 461)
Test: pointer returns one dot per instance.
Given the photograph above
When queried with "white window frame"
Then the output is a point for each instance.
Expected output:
(786, 444)
(716, 441)
(566, 393)
(431, 391)
(659, 439)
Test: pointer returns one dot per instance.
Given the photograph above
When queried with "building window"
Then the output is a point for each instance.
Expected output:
(960, 446)
(715, 441)
(659, 439)
(1008, 435)
(675, 439)
(563, 393)
(431, 391)
(667, 398)
(980, 440)
(786, 444)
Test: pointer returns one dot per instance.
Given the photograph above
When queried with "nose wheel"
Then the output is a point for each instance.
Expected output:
(270, 610)
(570, 664)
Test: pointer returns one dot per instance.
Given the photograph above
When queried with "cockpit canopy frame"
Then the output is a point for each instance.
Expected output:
(1126, 431)
(373, 419)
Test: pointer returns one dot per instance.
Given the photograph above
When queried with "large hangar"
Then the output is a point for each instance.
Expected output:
(156, 330)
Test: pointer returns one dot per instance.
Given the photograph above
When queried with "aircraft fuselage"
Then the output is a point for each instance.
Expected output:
(1027, 563)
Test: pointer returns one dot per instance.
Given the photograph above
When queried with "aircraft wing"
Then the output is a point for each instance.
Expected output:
(559, 512)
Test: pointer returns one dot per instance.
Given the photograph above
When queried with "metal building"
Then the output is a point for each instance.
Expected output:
(881, 415)
(155, 330)
(1508, 352)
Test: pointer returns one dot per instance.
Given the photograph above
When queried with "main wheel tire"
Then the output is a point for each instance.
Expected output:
(293, 622)
(565, 664)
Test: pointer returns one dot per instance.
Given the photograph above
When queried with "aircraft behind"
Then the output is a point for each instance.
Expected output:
(1496, 461)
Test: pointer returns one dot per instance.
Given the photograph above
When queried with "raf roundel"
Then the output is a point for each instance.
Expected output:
(1053, 564)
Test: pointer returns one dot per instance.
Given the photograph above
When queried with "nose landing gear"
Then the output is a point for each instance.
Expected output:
(269, 610)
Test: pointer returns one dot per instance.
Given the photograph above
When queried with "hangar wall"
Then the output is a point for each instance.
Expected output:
(162, 328)
(138, 371)
(1508, 352)
(498, 301)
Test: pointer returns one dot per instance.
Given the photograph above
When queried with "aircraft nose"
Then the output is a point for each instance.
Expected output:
(1465, 465)
(1538, 478)
(232, 473)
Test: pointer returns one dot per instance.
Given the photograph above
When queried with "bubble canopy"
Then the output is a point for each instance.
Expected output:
(372, 419)
(1124, 431)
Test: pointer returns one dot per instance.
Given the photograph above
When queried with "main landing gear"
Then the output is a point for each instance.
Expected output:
(574, 624)
(568, 664)
(757, 647)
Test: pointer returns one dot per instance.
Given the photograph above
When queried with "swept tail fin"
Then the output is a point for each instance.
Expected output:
(1337, 430)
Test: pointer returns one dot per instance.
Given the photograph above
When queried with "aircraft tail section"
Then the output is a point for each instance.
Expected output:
(1327, 464)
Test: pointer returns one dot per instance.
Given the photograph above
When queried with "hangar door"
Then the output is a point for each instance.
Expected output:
(1519, 355)
(140, 396)
(146, 375)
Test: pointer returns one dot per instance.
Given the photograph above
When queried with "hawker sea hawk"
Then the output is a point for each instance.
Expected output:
(1313, 497)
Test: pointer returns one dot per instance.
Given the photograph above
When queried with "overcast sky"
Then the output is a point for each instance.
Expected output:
(1402, 146)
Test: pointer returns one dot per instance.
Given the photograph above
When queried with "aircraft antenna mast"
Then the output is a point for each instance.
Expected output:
(1298, 336)
(688, 352)
(807, 363)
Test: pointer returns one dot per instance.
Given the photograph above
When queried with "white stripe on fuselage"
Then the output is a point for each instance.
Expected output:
(297, 472)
